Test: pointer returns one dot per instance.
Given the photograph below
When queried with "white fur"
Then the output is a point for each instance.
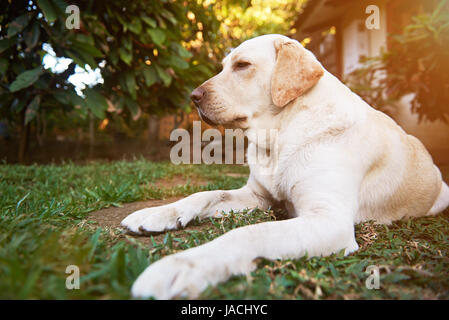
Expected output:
(338, 162)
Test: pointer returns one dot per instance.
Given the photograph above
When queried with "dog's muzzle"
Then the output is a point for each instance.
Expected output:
(204, 118)
(197, 97)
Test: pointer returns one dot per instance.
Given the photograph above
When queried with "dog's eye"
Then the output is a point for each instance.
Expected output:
(240, 65)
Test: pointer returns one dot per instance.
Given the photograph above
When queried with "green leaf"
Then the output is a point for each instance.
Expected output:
(47, 8)
(68, 98)
(166, 78)
(133, 108)
(157, 35)
(81, 58)
(169, 16)
(395, 277)
(6, 43)
(161, 22)
(87, 49)
(135, 26)
(183, 52)
(151, 22)
(204, 70)
(18, 25)
(85, 39)
(128, 44)
(113, 56)
(150, 75)
(122, 22)
(4, 63)
(60, 4)
(32, 36)
(25, 79)
(177, 62)
(32, 108)
(131, 84)
(62, 97)
(125, 55)
(96, 102)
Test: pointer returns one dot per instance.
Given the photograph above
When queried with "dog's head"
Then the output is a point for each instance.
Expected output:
(260, 74)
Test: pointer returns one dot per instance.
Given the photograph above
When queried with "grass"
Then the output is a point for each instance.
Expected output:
(44, 228)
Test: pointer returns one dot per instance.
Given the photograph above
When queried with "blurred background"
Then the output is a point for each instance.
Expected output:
(115, 85)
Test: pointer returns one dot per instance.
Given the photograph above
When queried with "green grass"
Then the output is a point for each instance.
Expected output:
(43, 229)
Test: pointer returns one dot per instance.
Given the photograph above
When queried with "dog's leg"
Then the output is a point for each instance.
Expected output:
(324, 225)
(189, 272)
(202, 204)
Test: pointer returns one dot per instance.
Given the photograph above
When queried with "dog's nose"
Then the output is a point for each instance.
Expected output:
(197, 95)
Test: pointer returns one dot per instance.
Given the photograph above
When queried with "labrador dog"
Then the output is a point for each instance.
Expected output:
(338, 162)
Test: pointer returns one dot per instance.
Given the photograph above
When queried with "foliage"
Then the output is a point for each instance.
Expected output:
(241, 20)
(44, 226)
(139, 47)
(418, 63)
(150, 54)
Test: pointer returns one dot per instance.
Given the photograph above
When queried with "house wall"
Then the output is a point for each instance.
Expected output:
(355, 44)
(358, 40)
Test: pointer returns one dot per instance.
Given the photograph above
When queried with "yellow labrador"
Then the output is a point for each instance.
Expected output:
(337, 162)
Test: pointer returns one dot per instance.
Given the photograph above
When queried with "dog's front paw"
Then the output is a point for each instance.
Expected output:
(172, 276)
(153, 220)
(188, 273)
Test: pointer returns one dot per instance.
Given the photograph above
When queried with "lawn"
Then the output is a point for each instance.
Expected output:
(46, 224)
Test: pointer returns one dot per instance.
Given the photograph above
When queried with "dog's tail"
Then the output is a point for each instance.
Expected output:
(442, 201)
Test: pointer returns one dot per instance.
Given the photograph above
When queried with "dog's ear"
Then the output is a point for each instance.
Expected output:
(295, 72)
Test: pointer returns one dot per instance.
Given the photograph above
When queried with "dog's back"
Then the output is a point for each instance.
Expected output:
(406, 182)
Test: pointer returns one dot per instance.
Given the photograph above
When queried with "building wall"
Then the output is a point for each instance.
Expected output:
(358, 40)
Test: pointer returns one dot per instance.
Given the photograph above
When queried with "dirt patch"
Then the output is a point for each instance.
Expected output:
(111, 218)
(237, 175)
(179, 180)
